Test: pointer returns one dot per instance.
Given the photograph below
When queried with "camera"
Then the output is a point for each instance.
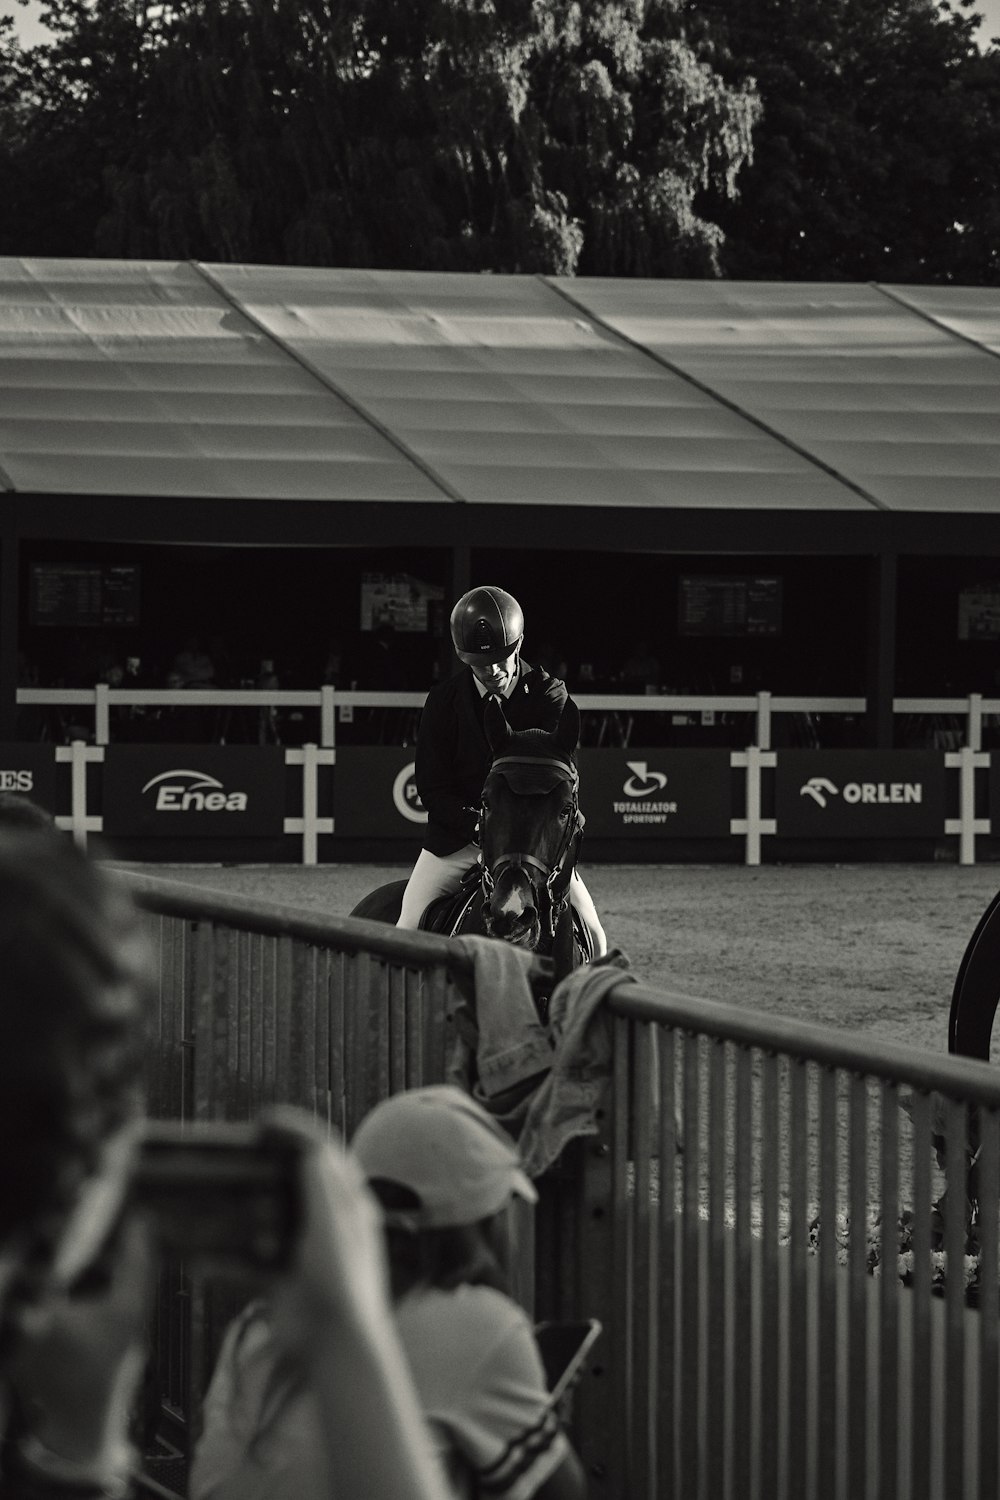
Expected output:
(225, 1197)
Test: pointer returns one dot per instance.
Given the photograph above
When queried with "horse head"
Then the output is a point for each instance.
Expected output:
(529, 827)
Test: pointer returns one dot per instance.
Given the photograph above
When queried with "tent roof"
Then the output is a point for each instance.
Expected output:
(229, 382)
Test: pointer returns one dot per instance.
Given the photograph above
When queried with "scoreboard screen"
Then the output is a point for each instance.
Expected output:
(729, 604)
(81, 594)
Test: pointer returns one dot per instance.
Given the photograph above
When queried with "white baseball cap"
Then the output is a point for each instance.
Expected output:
(443, 1146)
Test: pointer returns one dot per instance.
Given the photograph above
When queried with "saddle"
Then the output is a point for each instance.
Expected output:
(448, 914)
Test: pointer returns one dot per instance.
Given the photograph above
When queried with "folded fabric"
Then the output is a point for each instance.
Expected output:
(567, 1101)
(544, 1083)
(502, 1045)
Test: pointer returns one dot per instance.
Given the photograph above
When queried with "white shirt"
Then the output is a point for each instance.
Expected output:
(478, 1376)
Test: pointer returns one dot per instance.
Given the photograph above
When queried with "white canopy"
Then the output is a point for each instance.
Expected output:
(228, 382)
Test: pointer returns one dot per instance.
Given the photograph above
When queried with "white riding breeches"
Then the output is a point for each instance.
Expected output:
(433, 875)
(583, 902)
(436, 875)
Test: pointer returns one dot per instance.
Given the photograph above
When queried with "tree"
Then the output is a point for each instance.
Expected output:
(878, 154)
(505, 135)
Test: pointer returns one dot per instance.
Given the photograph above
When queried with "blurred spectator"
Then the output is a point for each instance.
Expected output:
(33, 722)
(74, 1265)
(641, 669)
(446, 1175)
(382, 668)
(191, 668)
(193, 665)
(268, 728)
(19, 811)
(75, 965)
(333, 667)
(222, 661)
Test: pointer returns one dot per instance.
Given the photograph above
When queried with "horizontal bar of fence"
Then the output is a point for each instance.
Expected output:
(350, 934)
(654, 702)
(970, 1078)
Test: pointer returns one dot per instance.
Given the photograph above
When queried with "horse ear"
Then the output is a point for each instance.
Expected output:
(568, 728)
(498, 731)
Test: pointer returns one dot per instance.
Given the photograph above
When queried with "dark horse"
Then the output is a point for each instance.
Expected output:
(530, 827)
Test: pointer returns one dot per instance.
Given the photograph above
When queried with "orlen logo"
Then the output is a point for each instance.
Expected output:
(16, 781)
(643, 782)
(868, 793)
(406, 797)
(819, 789)
(193, 791)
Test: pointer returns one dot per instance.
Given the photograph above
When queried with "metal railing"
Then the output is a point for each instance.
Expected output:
(751, 1173)
(725, 1224)
(259, 1004)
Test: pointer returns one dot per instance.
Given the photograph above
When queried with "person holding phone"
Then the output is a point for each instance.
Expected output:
(446, 1175)
(75, 1263)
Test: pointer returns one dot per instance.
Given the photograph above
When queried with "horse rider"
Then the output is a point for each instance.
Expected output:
(453, 755)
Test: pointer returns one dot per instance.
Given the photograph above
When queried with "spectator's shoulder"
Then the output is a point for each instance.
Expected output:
(484, 1316)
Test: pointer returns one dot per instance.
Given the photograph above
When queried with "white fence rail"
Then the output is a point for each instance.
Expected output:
(959, 727)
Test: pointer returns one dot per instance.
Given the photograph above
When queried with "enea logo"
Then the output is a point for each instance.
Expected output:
(643, 782)
(406, 797)
(193, 791)
(865, 793)
(17, 781)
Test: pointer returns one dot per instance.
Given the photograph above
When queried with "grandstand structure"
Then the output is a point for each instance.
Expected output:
(635, 453)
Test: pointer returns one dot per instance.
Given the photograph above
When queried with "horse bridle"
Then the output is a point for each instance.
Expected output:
(574, 829)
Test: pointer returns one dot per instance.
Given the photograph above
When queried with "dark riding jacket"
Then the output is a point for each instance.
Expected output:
(453, 753)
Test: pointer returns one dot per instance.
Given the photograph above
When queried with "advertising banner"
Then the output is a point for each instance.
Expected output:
(860, 793)
(227, 791)
(31, 771)
(656, 793)
(375, 794)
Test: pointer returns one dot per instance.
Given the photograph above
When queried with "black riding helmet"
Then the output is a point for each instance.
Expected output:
(486, 625)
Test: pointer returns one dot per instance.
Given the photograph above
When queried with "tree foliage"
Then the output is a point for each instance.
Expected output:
(792, 139)
(506, 135)
(878, 153)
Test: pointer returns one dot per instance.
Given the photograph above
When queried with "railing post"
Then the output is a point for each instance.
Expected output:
(762, 736)
(753, 804)
(974, 722)
(102, 717)
(78, 805)
(80, 822)
(327, 717)
(310, 825)
(967, 805)
(966, 761)
(310, 805)
(752, 760)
